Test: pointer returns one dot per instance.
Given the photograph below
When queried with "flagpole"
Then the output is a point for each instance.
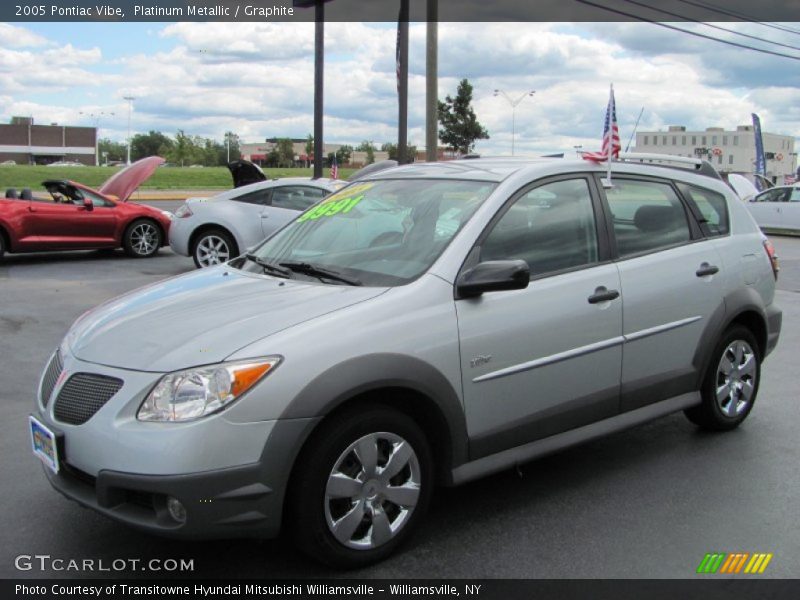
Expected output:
(610, 149)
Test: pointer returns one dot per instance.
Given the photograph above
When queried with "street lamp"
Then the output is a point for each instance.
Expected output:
(130, 100)
(514, 104)
(96, 118)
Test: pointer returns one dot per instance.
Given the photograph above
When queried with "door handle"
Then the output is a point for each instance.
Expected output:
(264, 216)
(602, 294)
(706, 269)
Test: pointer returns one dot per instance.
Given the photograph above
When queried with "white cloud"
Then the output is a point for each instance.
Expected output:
(257, 79)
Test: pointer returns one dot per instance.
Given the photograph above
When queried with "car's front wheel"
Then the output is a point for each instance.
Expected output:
(213, 247)
(361, 487)
(731, 382)
(142, 238)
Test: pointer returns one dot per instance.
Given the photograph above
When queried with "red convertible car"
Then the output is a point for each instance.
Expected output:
(80, 218)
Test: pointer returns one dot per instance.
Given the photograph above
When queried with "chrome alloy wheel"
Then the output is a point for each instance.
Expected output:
(736, 378)
(372, 490)
(144, 239)
(212, 250)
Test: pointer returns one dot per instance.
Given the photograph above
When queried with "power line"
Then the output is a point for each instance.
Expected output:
(739, 33)
(694, 33)
(738, 15)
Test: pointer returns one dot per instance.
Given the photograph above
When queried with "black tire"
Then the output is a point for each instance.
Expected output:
(735, 404)
(310, 510)
(142, 238)
(213, 247)
(2, 245)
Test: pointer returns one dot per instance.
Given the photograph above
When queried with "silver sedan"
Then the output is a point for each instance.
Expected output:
(214, 230)
(777, 210)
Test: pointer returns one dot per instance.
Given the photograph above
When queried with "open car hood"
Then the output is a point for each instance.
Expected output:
(742, 186)
(124, 183)
(244, 173)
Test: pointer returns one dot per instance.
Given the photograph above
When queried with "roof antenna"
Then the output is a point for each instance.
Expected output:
(635, 127)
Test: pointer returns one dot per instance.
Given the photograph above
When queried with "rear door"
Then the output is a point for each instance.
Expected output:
(671, 288)
(767, 207)
(545, 359)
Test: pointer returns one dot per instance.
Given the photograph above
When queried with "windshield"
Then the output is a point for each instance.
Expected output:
(385, 232)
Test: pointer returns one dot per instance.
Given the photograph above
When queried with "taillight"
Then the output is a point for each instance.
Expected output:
(773, 258)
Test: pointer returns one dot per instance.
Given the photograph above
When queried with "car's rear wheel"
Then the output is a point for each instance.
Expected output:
(361, 487)
(731, 383)
(213, 247)
(2, 245)
(142, 239)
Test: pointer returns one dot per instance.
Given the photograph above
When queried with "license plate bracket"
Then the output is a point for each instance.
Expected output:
(44, 444)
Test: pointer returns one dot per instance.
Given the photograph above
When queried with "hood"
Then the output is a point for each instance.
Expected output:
(244, 173)
(201, 318)
(742, 186)
(124, 183)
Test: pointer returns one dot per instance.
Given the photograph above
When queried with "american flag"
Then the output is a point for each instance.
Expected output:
(334, 168)
(611, 144)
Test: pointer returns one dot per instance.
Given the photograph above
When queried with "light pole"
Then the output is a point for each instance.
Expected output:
(514, 104)
(96, 118)
(130, 100)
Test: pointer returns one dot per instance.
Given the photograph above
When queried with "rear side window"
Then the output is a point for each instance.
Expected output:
(647, 216)
(257, 197)
(551, 227)
(296, 197)
(711, 208)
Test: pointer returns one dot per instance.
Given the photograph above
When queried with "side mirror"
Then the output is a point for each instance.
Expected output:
(493, 276)
(88, 205)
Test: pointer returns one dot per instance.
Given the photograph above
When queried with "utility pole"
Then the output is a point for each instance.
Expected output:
(432, 83)
(402, 84)
(96, 118)
(130, 100)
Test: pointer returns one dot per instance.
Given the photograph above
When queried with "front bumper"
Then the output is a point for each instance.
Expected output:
(180, 230)
(242, 501)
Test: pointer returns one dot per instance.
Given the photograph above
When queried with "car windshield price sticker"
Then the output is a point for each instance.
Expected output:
(340, 203)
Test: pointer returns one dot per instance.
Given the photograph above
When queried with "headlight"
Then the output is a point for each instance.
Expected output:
(183, 211)
(168, 214)
(195, 393)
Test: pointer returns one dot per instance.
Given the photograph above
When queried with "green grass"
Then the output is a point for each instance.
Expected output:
(165, 178)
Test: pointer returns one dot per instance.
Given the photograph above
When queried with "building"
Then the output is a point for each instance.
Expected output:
(26, 143)
(729, 151)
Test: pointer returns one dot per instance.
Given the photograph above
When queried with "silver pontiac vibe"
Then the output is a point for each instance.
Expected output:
(428, 324)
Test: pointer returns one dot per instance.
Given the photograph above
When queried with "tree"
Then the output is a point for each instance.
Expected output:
(183, 150)
(460, 129)
(368, 147)
(153, 143)
(343, 154)
(309, 149)
(110, 150)
(285, 149)
(391, 150)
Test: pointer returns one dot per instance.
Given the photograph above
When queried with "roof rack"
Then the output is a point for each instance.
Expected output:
(700, 166)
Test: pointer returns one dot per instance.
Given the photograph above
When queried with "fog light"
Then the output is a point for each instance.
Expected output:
(176, 509)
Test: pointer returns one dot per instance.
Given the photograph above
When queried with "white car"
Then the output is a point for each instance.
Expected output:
(217, 229)
(777, 210)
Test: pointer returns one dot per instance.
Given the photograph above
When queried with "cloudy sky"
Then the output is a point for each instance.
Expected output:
(256, 79)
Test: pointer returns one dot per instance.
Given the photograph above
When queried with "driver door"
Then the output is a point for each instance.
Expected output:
(71, 225)
(545, 359)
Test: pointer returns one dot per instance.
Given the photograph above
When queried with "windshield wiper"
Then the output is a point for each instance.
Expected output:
(320, 272)
(269, 267)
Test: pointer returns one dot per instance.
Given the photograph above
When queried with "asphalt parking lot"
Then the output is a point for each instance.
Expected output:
(646, 503)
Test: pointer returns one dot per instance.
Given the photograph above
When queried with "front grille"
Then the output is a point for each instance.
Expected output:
(51, 376)
(83, 395)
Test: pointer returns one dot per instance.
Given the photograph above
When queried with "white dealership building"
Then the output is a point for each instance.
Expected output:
(730, 151)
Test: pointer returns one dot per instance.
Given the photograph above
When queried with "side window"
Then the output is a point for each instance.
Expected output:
(551, 227)
(774, 195)
(712, 207)
(257, 197)
(647, 216)
(296, 197)
(795, 196)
